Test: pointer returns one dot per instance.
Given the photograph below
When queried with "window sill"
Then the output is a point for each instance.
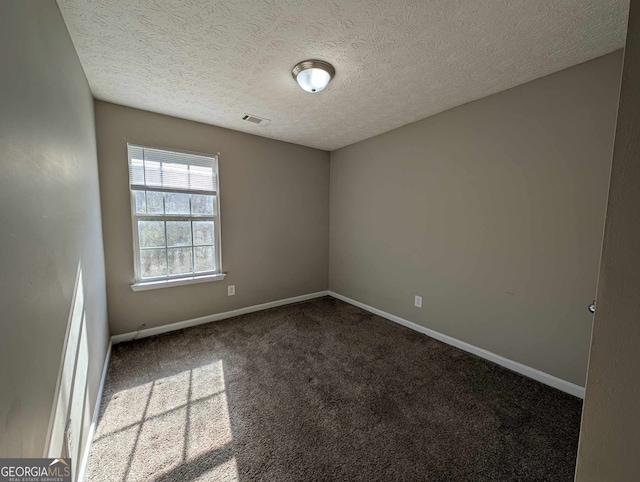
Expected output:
(154, 285)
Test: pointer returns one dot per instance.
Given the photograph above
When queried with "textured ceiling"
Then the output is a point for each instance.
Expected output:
(397, 61)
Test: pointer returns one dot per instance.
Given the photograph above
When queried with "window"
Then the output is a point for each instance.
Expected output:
(175, 209)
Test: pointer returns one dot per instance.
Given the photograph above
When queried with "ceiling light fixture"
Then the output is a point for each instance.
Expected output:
(313, 75)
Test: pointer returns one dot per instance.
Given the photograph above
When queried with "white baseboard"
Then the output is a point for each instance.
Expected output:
(525, 370)
(94, 420)
(209, 318)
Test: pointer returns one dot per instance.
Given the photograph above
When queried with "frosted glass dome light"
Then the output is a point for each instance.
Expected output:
(313, 75)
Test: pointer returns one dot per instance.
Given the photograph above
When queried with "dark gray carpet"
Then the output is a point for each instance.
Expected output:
(322, 390)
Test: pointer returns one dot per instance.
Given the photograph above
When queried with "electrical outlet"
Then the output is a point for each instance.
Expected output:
(417, 302)
(231, 290)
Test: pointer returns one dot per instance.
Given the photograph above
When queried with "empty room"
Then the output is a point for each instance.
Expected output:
(287, 240)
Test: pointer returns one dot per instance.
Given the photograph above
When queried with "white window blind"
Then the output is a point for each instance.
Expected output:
(175, 213)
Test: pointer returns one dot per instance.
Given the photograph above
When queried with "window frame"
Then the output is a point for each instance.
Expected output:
(141, 283)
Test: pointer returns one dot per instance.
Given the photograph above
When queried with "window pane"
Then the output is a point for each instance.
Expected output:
(152, 173)
(137, 171)
(155, 204)
(202, 205)
(175, 175)
(151, 234)
(204, 259)
(203, 232)
(201, 178)
(153, 263)
(175, 215)
(179, 260)
(178, 233)
(176, 203)
(141, 202)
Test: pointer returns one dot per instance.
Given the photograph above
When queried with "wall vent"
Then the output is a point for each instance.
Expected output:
(254, 119)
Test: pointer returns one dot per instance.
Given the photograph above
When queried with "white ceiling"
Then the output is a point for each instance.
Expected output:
(397, 61)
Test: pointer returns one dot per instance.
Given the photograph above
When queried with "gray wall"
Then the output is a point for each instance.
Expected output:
(50, 219)
(492, 211)
(274, 212)
(610, 435)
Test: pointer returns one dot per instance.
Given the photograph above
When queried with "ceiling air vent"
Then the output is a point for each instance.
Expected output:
(254, 119)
